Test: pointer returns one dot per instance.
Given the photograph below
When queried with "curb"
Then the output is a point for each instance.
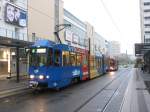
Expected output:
(14, 91)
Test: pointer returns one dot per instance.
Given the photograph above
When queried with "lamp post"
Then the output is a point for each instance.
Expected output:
(58, 29)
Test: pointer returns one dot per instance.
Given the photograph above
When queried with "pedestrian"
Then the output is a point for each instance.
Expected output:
(142, 68)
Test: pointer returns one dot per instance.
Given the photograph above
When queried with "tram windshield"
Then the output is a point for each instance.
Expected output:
(38, 57)
(112, 63)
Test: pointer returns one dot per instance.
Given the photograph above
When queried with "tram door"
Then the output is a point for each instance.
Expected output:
(57, 58)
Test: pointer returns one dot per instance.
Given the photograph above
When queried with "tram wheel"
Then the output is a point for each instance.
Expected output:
(57, 89)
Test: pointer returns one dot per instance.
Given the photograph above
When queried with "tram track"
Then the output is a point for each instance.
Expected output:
(104, 88)
(115, 92)
(100, 95)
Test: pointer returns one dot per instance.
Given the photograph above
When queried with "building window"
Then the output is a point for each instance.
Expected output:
(147, 25)
(12, 1)
(147, 10)
(146, 3)
(147, 32)
(148, 17)
(147, 40)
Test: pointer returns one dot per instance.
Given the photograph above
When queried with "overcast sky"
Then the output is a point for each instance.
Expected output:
(125, 15)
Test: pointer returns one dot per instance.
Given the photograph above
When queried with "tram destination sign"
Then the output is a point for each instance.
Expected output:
(141, 48)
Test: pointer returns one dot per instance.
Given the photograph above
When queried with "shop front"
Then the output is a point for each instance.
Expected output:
(13, 60)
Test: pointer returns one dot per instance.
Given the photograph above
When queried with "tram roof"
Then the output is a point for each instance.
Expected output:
(70, 48)
(48, 43)
(44, 43)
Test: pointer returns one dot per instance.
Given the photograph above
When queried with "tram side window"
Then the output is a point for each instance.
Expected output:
(94, 62)
(100, 62)
(66, 58)
(73, 59)
(97, 62)
(91, 62)
(78, 60)
(84, 60)
(57, 55)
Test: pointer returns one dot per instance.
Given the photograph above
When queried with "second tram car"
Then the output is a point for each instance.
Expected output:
(112, 64)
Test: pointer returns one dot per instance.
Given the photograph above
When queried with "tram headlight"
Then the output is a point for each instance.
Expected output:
(47, 77)
(111, 68)
(41, 77)
(32, 76)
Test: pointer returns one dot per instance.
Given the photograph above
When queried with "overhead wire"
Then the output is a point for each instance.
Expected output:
(110, 16)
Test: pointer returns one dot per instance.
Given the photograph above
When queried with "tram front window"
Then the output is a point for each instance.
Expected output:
(38, 57)
(112, 63)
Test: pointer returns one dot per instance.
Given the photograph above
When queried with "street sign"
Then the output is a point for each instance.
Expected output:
(141, 48)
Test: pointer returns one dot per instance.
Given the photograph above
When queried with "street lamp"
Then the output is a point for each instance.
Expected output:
(57, 28)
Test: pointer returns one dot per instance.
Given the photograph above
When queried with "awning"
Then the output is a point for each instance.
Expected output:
(4, 41)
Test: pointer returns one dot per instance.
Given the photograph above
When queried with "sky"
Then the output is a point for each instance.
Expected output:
(117, 20)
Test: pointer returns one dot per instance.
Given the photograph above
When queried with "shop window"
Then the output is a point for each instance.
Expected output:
(73, 59)
(57, 55)
(66, 58)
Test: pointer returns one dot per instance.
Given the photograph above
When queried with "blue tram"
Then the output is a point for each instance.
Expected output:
(58, 65)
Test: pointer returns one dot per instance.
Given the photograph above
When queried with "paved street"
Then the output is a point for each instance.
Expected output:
(101, 94)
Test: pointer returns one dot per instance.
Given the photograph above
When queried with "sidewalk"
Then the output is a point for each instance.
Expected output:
(11, 87)
(137, 97)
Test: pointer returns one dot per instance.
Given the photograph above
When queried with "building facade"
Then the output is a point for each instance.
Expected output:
(13, 33)
(13, 16)
(43, 18)
(22, 22)
(76, 35)
(145, 20)
(42, 22)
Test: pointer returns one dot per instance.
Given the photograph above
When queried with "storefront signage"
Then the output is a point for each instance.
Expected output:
(81, 41)
(68, 35)
(141, 48)
(75, 39)
(15, 15)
